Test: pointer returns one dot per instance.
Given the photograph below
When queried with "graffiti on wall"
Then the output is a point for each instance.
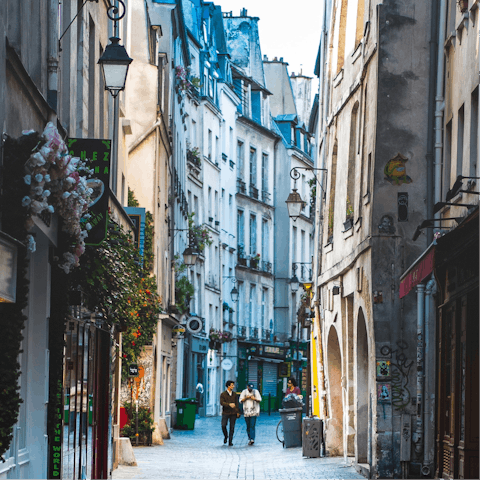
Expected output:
(400, 372)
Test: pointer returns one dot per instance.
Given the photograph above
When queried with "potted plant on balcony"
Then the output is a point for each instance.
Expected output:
(255, 261)
(241, 255)
(194, 156)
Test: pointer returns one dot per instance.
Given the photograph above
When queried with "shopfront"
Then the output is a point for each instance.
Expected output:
(457, 422)
(264, 366)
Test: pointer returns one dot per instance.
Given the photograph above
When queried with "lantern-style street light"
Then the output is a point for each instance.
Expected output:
(115, 62)
(190, 257)
(294, 283)
(234, 294)
(294, 201)
(295, 204)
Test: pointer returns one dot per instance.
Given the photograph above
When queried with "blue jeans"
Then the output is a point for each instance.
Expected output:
(250, 421)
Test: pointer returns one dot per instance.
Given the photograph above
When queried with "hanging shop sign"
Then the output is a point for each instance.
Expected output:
(97, 152)
(194, 325)
(178, 331)
(227, 364)
(137, 216)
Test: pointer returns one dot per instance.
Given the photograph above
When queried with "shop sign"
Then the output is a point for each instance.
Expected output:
(227, 364)
(199, 345)
(97, 153)
(133, 370)
(55, 462)
(417, 273)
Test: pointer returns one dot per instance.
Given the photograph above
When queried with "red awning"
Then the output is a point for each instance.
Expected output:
(420, 270)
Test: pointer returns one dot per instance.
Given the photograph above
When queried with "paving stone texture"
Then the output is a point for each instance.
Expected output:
(201, 454)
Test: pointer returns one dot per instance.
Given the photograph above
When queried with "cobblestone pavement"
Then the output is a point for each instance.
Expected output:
(200, 453)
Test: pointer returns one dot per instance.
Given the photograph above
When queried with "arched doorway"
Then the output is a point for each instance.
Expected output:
(361, 381)
(334, 430)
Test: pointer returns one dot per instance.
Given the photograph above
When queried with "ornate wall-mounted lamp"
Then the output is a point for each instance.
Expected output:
(294, 201)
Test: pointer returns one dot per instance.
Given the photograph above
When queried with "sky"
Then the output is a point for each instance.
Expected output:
(287, 29)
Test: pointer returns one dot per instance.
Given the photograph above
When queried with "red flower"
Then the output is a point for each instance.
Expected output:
(133, 343)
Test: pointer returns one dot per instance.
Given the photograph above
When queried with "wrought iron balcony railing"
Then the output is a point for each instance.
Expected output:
(241, 186)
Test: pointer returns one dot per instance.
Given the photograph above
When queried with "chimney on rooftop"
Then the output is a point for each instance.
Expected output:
(243, 12)
(281, 59)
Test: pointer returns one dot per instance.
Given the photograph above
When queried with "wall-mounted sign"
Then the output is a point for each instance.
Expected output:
(133, 370)
(194, 325)
(97, 153)
(227, 364)
(383, 369)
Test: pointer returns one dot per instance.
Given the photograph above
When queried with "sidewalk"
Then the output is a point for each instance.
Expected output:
(201, 454)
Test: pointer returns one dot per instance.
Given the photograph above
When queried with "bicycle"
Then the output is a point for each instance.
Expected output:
(280, 434)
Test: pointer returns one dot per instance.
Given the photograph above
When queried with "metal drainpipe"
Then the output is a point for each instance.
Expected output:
(439, 105)
(52, 61)
(418, 435)
(429, 397)
(431, 113)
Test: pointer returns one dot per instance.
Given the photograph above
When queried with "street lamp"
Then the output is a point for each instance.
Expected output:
(234, 294)
(295, 204)
(190, 257)
(294, 201)
(115, 62)
(294, 283)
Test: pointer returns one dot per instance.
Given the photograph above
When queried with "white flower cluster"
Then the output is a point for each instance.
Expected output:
(58, 183)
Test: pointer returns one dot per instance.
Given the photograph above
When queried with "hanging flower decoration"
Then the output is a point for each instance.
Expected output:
(58, 183)
(219, 336)
(181, 78)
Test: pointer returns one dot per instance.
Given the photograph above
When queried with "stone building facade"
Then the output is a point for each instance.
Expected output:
(371, 131)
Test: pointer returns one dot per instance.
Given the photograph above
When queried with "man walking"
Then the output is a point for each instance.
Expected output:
(230, 411)
(251, 399)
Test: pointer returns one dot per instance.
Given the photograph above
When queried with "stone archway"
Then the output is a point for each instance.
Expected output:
(362, 391)
(334, 429)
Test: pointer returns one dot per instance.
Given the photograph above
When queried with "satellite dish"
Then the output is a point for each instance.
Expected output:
(194, 325)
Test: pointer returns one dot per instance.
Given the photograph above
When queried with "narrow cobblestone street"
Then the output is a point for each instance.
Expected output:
(201, 454)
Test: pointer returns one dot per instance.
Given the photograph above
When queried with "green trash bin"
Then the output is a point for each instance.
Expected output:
(186, 410)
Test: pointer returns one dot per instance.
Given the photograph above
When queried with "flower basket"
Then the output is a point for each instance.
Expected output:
(214, 345)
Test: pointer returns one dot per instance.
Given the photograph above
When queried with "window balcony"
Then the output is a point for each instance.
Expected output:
(266, 267)
(241, 186)
(254, 192)
(242, 331)
(265, 196)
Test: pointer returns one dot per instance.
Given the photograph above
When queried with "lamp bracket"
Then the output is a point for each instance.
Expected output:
(113, 12)
(295, 175)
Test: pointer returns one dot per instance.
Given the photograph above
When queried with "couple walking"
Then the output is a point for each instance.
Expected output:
(250, 397)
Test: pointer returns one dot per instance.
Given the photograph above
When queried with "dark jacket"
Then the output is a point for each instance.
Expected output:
(225, 400)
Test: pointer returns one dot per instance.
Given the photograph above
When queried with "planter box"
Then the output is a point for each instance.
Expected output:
(348, 224)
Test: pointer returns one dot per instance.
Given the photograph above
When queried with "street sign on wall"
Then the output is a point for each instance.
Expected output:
(133, 370)
(97, 153)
